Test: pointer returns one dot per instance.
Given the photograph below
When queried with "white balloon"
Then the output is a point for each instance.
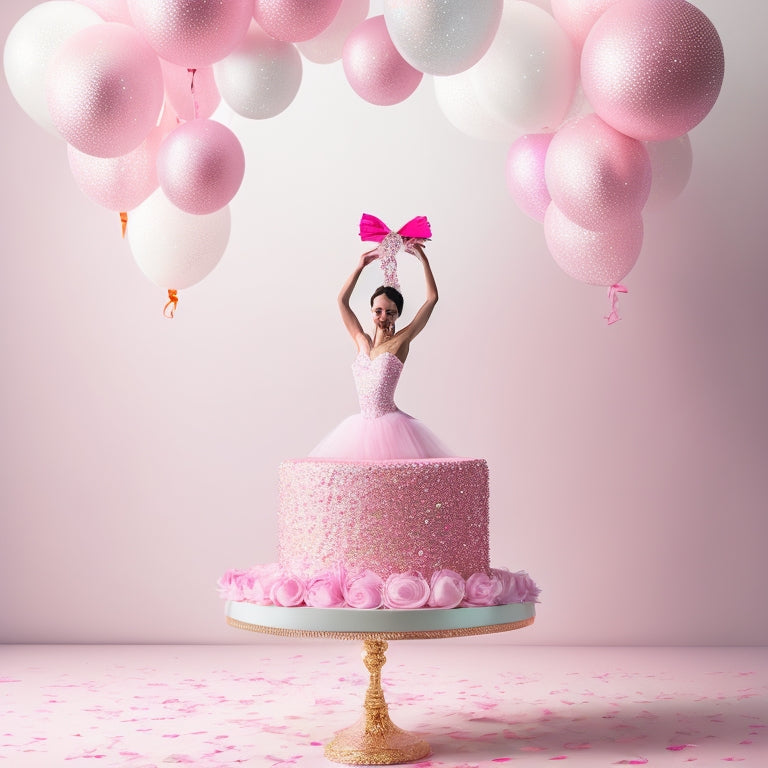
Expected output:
(442, 37)
(175, 249)
(457, 100)
(328, 46)
(261, 77)
(30, 46)
(671, 165)
(529, 74)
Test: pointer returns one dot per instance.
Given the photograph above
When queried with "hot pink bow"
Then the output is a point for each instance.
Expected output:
(373, 229)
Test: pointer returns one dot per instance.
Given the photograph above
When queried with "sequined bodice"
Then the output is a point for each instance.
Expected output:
(376, 381)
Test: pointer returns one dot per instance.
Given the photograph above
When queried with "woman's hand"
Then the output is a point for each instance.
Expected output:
(416, 247)
(368, 257)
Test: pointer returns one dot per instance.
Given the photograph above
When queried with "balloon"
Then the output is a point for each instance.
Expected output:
(110, 10)
(442, 37)
(525, 174)
(529, 74)
(457, 99)
(200, 166)
(652, 68)
(191, 94)
(30, 46)
(671, 164)
(175, 249)
(576, 17)
(594, 257)
(261, 77)
(596, 175)
(373, 66)
(294, 20)
(329, 44)
(192, 33)
(105, 89)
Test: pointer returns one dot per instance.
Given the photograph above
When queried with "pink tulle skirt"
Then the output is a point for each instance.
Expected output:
(394, 435)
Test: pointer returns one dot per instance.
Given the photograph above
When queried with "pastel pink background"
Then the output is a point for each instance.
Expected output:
(628, 463)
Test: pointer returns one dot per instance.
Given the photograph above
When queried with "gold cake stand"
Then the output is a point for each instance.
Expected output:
(374, 739)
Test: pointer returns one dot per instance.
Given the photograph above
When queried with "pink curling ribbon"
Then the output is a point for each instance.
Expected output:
(195, 105)
(375, 230)
(613, 296)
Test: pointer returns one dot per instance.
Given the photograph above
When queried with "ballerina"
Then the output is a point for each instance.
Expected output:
(381, 431)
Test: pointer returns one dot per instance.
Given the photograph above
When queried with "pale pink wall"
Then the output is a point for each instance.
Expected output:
(628, 463)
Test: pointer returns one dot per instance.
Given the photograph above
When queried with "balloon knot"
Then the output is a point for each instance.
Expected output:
(173, 300)
(613, 296)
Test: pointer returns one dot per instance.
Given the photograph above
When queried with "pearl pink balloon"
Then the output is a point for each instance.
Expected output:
(327, 46)
(30, 46)
(442, 37)
(671, 165)
(577, 17)
(525, 174)
(652, 68)
(374, 67)
(105, 90)
(175, 249)
(529, 74)
(261, 77)
(596, 175)
(190, 94)
(110, 10)
(597, 258)
(294, 20)
(457, 100)
(200, 166)
(192, 33)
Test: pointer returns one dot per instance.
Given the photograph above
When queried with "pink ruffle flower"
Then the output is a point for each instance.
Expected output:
(257, 582)
(288, 591)
(446, 589)
(230, 585)
(364, 589)
(406, 590)
(482, 590)
(517, 587)
(326, 590)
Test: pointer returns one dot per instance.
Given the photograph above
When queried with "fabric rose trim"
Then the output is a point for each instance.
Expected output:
(446, 589)
(406, 590)
(364, 589)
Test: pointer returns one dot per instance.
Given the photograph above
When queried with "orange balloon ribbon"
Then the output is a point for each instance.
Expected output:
(124, 220)
(613, 296)
(173, 301)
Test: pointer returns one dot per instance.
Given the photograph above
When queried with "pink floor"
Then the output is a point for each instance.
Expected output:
(480, 703)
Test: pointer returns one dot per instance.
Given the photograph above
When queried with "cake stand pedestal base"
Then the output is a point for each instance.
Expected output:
(375, 739)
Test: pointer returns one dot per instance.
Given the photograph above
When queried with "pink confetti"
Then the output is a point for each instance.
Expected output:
(559, 757)
(678, 747)
(501, 759)
(637, 761)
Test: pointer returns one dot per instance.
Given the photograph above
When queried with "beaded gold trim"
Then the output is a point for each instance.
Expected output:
(430, 634)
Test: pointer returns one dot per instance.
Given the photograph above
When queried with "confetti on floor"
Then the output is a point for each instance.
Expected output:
(479, 705)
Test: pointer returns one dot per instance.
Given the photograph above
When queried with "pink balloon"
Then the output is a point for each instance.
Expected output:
(110, 10)
(596, 175)
(191, 94)
(373, 66)
(525, 173)
(597, 258)
(200, 166)
(105, 89)
(294, 20)
(190, 32)
(577, 17)
(652, 68)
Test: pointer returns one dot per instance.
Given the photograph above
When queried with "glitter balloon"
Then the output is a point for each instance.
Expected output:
(597, 258)
(652, 68)
(596, 175)
(192, 94)
(328, 46)
(525, 174)
(30, 46)
(190, 32)
(175, 249)
(374, 67)
(261, 77)
(294, 20)
(577, 17)
(105, 89)
(200, 166)
(442, 37)
(529, 74)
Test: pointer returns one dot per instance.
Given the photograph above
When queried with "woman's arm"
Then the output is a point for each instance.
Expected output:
(351, 323)
(416, 325)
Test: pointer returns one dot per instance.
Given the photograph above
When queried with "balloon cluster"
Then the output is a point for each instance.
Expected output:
(132, 87)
